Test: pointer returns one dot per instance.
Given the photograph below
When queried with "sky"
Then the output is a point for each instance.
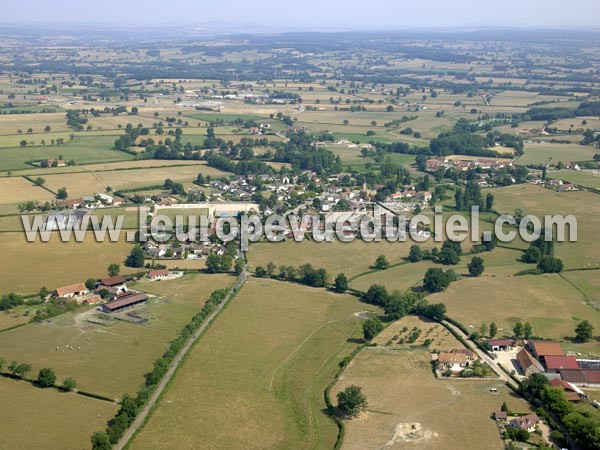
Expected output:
(311, 14)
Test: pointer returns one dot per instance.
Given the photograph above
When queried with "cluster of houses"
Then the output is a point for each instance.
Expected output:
(483, 164)
(410, 194)
(89, 202)
(111, 294)
(182, 250)
(548, 358)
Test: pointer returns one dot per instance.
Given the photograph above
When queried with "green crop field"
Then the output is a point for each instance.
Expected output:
(245, 385)
(46, 418)
(82, 150)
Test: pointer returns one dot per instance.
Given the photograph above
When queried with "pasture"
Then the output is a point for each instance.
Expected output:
(350, 258)
(553, 306)
(45, 418)
(409, 408)
(101, 345)
(262, 386)
(539, 202)
(586, 178)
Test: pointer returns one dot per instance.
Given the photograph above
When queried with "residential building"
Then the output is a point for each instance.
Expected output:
(74, 290)
(527, 422)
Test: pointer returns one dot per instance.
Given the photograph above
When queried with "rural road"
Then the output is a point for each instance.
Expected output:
(141, 417)
(484, 357)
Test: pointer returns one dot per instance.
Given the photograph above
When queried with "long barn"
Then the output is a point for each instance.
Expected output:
(125, 301)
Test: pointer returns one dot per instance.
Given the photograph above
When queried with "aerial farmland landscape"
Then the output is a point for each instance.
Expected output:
(315, 226)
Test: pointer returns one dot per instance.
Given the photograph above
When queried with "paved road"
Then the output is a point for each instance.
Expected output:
(141, 417)
(484, 357)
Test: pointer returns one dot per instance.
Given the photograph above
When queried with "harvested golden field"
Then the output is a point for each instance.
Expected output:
(48, 419)
(11, 123)
(18, 190)
(409, 408)
(62, 263)
(141, 164)
(88, 183)
(245, 385)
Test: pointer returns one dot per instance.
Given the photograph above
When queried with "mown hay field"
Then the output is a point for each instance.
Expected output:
(18, 189)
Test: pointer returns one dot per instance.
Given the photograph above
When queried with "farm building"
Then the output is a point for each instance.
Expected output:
(158, 274)
(112, 281)
(124, 301)
(541, 349)
(71, 291)
(92, 300)
(528, 364)
(527, 422)
(555, 363)
(499, 345)
(572, 392)
(581, 377)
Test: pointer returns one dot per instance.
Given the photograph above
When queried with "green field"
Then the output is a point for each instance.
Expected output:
(245, 385)
(82, 150)
(539, 201)
(101, 348)
(553, 306)
(351, 258)
(45, 418)
(549, 152)
(589, 179)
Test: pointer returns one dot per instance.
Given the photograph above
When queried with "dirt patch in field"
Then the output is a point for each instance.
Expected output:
(410, 432)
